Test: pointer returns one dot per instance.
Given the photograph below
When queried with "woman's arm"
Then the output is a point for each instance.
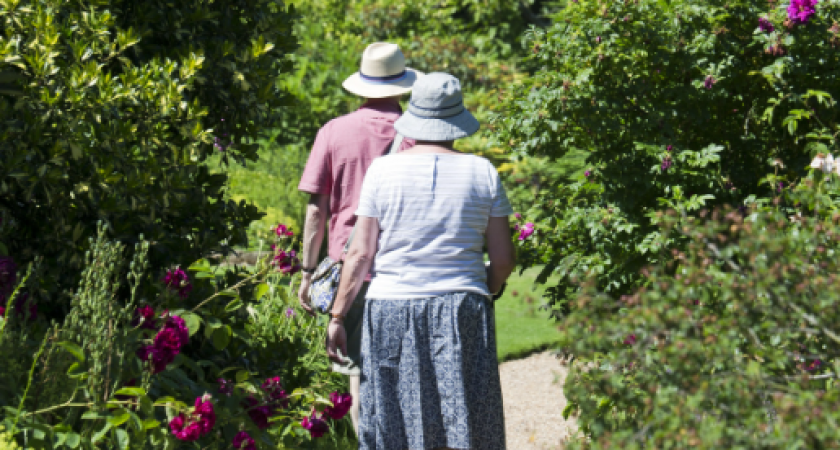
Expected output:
(357, 264)
(500, 252)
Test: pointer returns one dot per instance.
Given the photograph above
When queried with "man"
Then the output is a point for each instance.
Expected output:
(344, 149)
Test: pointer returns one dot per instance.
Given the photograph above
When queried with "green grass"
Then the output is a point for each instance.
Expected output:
(521, 326)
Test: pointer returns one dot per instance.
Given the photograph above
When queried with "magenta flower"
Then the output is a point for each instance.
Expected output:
(206, 414)
(630, 340)
(225, 387)
(290, 312)
(275, 391)
(587, 173)
(166, 344)
(709, 82)
(341, 405)
(145, 317)
(185, 429)
(178, 280)
(288, 263)
(814, 365)
(283, 231)
(765, 25)
(316, 426)
(259, 414)
(526, 231)
(8, 275)
(2, 311)
(669, 148)
(666, 164)
(518, 216)
(244, 441)
(800, 11)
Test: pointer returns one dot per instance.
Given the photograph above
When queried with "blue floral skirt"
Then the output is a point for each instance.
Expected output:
(430, 376)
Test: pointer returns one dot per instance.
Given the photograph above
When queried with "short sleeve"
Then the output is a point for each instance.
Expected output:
(501, 206)
(367, 200)
(317, 175)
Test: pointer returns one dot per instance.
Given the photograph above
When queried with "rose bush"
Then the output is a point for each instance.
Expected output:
(681, 104)
(221, 364)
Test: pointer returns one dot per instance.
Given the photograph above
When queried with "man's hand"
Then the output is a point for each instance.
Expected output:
(337, 341)
(303, 294)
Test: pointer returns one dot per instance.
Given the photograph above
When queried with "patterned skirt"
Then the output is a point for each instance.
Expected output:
(430, 377)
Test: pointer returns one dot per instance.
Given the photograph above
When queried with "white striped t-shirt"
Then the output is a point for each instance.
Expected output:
(432, 210)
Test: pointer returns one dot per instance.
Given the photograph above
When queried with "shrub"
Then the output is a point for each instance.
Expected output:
(732, 342)
(152, 369)
(109, 110)
(681, 104)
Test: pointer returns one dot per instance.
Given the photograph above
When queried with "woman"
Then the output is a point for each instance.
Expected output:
(430, 377)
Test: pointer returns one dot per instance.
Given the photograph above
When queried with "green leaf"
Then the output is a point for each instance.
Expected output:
(74, 349)
(242, 376)
(233, 305)
(261, 290)
(73, 440)
(101, 433)
(221, 337)
(122, 438)
(131, 391)
(193, 322)
(119, 417)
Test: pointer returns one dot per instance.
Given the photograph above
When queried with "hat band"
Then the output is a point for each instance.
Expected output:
(383, 80)
(436, 113)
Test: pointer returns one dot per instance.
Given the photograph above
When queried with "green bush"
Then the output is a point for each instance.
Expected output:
(109, 110)
(733, 342)
(118, 372)
(680, 104)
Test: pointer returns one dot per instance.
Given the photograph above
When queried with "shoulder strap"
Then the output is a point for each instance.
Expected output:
(395, 147)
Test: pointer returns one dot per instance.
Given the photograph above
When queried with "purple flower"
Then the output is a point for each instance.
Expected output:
(166, 344)
(598, 40)
(630, 340)
(669, 148)
(259, 414)
(526, 231)
(205, 413)
(145, 317)
(316, 426)
(283, 231)
(814, 365)
(275, 392)
(244, 441)
(800, 11)
(225, 387)
(666, 164)
(765, 25)
(341, 405)
(8, 275)
(587, 173)
(780, 186)
(709, 82)
(518, 216)
(178, 280)
(290, 312)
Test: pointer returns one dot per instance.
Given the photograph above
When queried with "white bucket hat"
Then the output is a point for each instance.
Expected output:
(383, 73)
(436, 111)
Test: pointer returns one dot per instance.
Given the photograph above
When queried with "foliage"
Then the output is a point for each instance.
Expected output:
(109, 110)
(680, 104)
(731, 343)
(124, 372)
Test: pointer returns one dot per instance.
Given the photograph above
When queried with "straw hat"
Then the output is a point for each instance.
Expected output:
(383, 73)
(436, 111)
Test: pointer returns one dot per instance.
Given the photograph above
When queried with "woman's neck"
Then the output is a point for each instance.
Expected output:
(432, 147)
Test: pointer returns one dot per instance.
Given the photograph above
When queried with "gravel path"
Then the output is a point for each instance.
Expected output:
(532, 388)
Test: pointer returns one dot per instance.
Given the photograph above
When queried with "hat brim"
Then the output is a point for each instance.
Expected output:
(436, 129)
(356, 85)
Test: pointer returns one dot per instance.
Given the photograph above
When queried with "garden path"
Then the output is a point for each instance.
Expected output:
(532, 388)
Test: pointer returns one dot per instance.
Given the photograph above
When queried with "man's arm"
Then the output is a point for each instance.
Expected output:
(317, 212)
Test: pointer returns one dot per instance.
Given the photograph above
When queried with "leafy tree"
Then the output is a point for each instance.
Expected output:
(680, 104)
(109, 110)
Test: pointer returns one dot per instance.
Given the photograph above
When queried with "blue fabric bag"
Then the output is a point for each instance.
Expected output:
(324, 287)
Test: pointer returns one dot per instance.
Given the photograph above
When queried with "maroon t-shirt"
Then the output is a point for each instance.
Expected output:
(344, 149)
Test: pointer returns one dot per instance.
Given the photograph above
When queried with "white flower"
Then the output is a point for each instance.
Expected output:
(826, 163)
